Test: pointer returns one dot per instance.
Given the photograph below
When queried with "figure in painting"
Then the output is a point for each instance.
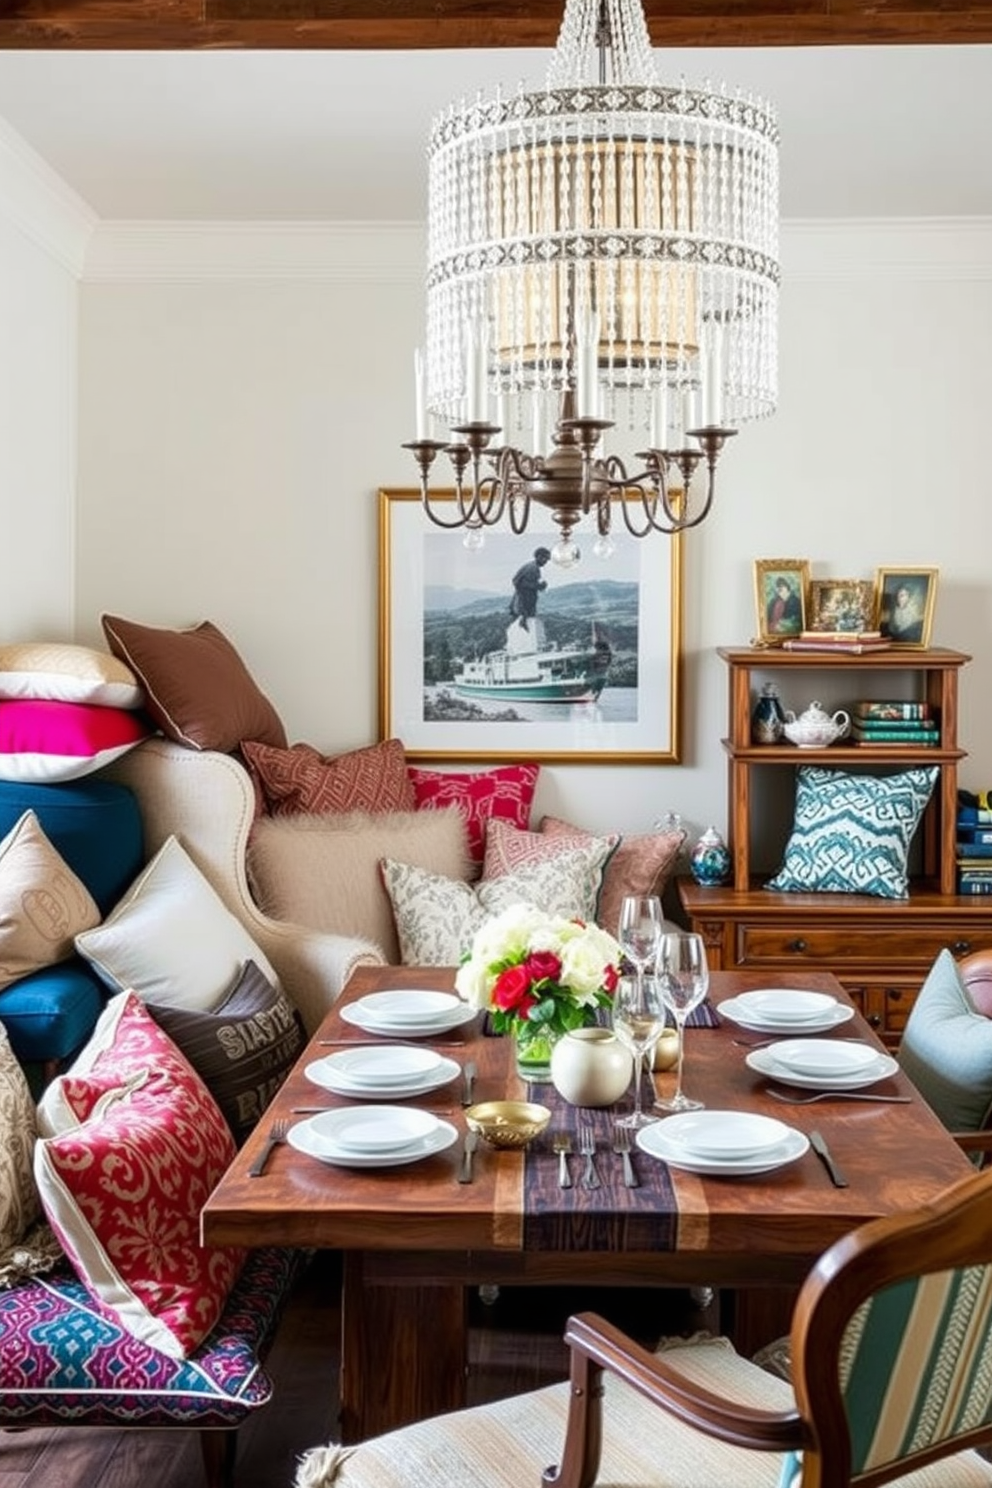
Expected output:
(902, 616)
(527, 585)
(784, 611)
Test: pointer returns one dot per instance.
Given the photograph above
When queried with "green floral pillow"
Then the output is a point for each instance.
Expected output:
(851, 833)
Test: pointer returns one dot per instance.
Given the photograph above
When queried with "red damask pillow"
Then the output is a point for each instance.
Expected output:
(133, 1144)
(505, 793)
(303, 779)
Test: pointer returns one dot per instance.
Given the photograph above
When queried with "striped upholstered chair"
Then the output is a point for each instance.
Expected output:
(892, 1366)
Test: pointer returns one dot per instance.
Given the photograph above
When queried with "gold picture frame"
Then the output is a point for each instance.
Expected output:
(906, 622)
(780, 594)
(445, 610)
(842, 605)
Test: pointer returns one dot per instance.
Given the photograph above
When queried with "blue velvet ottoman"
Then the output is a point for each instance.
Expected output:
(96, 827)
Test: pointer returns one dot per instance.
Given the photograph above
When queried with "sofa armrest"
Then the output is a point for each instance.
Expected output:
(207, 800)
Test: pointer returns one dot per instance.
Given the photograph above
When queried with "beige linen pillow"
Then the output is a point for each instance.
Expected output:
(67, 673)
(43, 905)
(27, 1245)
(322, 870)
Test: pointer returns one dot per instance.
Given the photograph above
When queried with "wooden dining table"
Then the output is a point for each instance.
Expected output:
(413, 1238)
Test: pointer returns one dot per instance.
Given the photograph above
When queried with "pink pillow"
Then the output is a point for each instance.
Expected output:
(303, 779)
(49, 741)
(639, 865)
(506, 793)
(133, 1145)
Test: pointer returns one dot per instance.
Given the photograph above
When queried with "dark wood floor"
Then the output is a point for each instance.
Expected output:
(515, 1344)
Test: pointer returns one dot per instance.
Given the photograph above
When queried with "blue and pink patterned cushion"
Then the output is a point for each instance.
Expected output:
(63, 1360)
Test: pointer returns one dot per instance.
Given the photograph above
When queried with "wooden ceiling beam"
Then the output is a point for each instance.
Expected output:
(413, 24)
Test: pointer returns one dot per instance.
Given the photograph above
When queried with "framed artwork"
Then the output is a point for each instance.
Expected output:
(495, 653)
(842, 604)
(905, 599)
(780, 586)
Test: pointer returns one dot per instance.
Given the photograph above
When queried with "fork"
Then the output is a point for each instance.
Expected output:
(587, 1147)
(621, 1145)
(808, 1100)
(561, 1143)
(278, 1132)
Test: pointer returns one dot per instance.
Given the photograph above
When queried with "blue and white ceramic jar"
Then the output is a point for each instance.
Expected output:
(768, 718)
(710, 861)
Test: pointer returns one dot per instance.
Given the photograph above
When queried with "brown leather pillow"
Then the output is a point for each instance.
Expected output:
(198, 691)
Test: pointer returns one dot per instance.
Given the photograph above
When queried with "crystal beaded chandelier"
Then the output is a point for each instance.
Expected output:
(601, 253)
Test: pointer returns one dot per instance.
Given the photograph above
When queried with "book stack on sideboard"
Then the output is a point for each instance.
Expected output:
(879, 721)
(974, 842)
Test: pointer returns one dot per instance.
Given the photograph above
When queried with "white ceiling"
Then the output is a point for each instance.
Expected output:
(325, 135)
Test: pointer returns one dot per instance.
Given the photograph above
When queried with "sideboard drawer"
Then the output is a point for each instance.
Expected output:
(859, 943)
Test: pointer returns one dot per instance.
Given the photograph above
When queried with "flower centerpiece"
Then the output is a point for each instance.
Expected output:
(539, 976)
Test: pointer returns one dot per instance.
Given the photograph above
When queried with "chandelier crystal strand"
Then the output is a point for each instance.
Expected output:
(607, 201)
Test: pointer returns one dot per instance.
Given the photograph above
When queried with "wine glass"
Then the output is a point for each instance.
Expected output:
(640, 930)
(683, 978)
(638, 1018)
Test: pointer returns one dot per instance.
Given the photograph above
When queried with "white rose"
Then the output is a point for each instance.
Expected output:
(472, 984)
(582, 968)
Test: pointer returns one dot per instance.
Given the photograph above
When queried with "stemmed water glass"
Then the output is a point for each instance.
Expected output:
(640, 930)
(638, 1018)
(683, 979)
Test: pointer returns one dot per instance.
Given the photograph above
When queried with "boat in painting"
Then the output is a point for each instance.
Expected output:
(531, 670)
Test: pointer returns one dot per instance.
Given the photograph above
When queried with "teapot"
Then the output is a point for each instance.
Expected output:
(815, 729)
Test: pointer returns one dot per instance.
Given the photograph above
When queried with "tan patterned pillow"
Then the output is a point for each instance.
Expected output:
(64, 673)
(641, 864)
(42, 902)
(437, 917)
(27, 1245)
(302, 779)
(508, 849)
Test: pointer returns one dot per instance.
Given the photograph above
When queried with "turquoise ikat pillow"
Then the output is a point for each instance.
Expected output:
(851, 833)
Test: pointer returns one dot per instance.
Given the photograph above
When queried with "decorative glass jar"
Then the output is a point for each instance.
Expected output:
(535, 1043)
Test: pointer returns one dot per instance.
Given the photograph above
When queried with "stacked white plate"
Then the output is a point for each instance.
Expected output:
(372, 1136)
(409, 1013)
(823, 1064)
(389, 1070)
(722, 1144)
(782, 1010)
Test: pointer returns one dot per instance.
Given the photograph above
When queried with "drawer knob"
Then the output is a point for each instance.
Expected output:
(874, 1020)
(961, 947)
(795, 945)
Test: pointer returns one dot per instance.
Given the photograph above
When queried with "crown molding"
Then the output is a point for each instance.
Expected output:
(821, 249)
(35, 200)
(887, 248)
(342, 252)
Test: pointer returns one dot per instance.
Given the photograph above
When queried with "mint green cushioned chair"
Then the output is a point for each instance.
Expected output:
(946, 1049)
(892, 1363)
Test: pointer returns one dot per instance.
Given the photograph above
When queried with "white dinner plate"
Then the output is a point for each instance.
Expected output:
(398, 1006)
(832, 1018)
(387, 1064)
(783, 1005)
(373, 1129)
(829, 1057)
(728, 1135)
(301, 1136)
(329, 1076)
(370, 1023)
(763, 1062)
(653, 1140)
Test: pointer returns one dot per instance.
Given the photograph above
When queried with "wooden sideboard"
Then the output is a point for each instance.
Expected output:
(879, 949)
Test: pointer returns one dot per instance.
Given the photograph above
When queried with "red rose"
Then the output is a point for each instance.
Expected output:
(610, 979)
(511, 990)
(543, 966)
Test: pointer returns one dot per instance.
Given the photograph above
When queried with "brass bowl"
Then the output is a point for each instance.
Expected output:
(507, 1123)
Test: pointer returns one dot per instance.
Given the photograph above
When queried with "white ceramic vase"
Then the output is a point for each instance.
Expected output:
(591, 1067)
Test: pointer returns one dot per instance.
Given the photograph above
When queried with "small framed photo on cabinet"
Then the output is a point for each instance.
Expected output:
(780, 586)
(842, 605)
(905, 599)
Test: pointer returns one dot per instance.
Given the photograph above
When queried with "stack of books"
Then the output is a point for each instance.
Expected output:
(888, 723)
(853, 641)
(974, 853)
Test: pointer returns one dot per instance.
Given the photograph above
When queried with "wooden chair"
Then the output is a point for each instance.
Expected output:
(892, 1358)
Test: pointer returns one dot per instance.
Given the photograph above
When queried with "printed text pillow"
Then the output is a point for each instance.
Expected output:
(506, 793)
(132, 1146)
(302, 779)
(851, 833)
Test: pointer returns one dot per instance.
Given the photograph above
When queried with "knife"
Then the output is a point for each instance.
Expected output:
(471, 1142)
(468, 1075)
(823, 1152)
